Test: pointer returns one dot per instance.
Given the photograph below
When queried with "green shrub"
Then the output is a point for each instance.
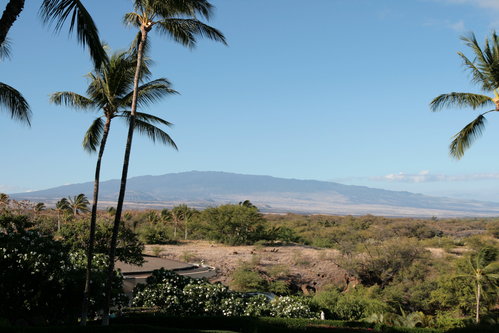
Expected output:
(155, 234)
(41, 282)
(246, 278)
(233, 224)
(357, 304)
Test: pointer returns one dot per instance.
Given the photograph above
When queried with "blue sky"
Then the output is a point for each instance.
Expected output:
(332, 90)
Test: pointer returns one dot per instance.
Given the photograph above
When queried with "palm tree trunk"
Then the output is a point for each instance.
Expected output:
(9, 16)
(93, 222)
(478, 295)
(121, 196)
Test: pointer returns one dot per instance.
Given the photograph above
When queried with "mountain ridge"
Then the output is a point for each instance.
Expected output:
(272, 194)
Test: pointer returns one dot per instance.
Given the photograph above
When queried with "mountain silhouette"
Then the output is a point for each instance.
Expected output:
(274, 195)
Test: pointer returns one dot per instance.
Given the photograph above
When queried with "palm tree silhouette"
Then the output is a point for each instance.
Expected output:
(57, 12)
(110, 91)
(178, 20)
(485, 73)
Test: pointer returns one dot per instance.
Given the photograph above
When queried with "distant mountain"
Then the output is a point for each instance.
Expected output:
(270, 194)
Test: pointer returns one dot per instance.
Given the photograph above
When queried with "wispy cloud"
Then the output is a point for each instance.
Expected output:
(426, 177)
(488, 4)
(458, 26)
(11, 189)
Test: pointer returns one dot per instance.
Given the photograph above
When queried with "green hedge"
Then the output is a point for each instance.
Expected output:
(157, 323)
(129, 328)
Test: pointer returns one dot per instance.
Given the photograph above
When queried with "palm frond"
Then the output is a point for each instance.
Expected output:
(184, 31)
(58, 11)
(465, 138)
(485, 66)
(151, 92)
(15, 103)
(72, 99)
(477, 75)
(5, 49)
(93, 136)
(471, 42)
(154, 133)
(151, 119)
(132, 19)
(190, 8)
(492, 268)
(461, 100)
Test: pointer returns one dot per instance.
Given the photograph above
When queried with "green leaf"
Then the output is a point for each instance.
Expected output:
(465, 138)
(14, 102)
(93, 136)
(461, 100)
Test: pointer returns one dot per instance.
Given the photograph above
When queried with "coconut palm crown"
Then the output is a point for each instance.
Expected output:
(175, 18)
(110, 90)
(484, 69)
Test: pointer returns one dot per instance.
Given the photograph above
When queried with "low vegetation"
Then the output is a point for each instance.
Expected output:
(400, 272)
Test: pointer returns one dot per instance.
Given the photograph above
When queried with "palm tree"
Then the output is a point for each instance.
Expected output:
(181, 213)
(178, 20)
(4, 201)
(61, 206)
(110, 90)
(39, 207)
(485, 72)
(11, 99)
(247, 204)
(483, 272)
(57, 12)
(78, 204)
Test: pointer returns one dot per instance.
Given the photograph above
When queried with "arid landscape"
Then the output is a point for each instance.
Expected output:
(302, 265)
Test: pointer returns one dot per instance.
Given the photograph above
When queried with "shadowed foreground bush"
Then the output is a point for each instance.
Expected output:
(156, 323)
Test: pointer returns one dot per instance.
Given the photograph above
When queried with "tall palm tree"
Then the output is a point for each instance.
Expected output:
(485, 73)
(110, 90)
(57, 12)
(11, 99)
(177, 19)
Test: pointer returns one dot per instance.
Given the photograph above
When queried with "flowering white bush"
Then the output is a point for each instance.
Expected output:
(179, 295)
(291, 307)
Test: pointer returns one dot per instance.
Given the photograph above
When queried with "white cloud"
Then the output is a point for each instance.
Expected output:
(426, 177)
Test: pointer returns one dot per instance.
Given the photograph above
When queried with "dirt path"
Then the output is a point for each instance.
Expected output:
(304, 265)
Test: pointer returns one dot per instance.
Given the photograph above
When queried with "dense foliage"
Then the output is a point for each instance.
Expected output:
(182, 296)
(75, 236)
(41, 281)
